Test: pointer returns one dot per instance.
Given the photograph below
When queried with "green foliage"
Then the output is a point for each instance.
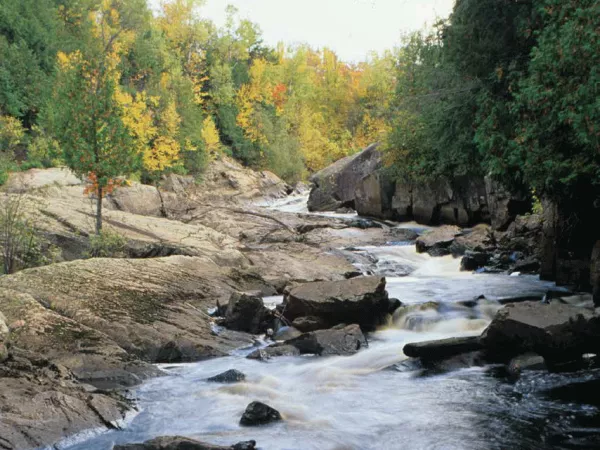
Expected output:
(22, 247)
(107, 244)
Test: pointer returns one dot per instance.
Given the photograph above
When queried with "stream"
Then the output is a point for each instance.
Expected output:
(374, 399)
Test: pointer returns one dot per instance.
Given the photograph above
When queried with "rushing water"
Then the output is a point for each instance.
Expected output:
(370, 400)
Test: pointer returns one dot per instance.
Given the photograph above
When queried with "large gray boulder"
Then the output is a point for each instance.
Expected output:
(556, 331)
(139, 199)
(441, 349)
(373, 196)
(334, 187)
(361, 300)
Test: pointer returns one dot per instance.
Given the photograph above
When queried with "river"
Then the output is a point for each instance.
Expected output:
(372, 400)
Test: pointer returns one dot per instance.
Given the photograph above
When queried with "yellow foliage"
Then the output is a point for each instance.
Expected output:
(210, 134)
(11, 133)
(162, 155)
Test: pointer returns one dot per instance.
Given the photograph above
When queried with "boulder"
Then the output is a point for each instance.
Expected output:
(340, 340)
(527, 361)
(442, 349)
(361, 300)
(308, 323)
(335, 186)
(474, 260)
(229, 376)
(139, 199)
(266, 353)
(183, 443)
(437, 242)
(556, 331)
(285, 333)
(258, 413)
(248, 313)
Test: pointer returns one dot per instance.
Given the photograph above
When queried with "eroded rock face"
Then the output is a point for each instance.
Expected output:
(361, 300)
(334, 187)
(183, 443)
(138, 199)
(258, 413)
(40, 178)
(556, 331)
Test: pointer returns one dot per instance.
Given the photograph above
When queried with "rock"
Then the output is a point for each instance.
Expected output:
(42, 403)
(266, 353)
(3, 352)
(527, 361)
(437, 241)
(529, 265)
(335, 186)
(3, 327)
(556, 331)
(285, 333)
(31, 179)
(477, 239)
(372, 195)
(402, 234)
(361, 300)
(248, 313)
(310, 323)
(455, 362)
(177, 184)
(503, 205)
(335, 341)
(183, 443)
(138, 199)
(230, 376)
(258, 413)
(473, 261)
(445, 348)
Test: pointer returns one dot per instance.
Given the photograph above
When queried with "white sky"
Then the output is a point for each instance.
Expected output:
(352, 28)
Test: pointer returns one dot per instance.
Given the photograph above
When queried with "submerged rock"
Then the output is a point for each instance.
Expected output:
(183, 443)
(441, 349)
(230, 376)
(285, 333)
(258, 413)
(361, 300)
(266, 353)
(474, 260)
(527, 361)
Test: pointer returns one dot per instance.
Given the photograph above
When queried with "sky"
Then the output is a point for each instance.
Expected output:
(352, 28)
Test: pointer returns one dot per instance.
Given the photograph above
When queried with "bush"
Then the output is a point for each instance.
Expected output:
(107, 244)
(21, 246)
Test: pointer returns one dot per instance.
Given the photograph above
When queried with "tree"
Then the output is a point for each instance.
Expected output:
(87, 113)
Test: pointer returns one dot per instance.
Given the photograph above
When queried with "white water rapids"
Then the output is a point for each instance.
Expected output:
(369, 400)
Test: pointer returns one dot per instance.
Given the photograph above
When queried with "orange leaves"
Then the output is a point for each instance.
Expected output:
(278, 96)
(92, 185)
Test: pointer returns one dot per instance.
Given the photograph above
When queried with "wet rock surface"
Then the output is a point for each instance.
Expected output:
(230, 376)
(258, 413)
(183, 443)
(361, 300)
(445, 348)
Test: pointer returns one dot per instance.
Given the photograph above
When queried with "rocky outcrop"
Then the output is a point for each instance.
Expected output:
(258, 413)
(334, 187)
(32, 179)
(361, 300)
(42, 402)
(183, 443)
(138, 199)
(558, 332)
(503, 205)
(272, 351)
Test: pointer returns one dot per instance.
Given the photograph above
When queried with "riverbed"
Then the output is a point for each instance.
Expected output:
(374, 399)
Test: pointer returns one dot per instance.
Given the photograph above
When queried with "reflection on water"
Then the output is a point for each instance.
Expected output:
(361, 402)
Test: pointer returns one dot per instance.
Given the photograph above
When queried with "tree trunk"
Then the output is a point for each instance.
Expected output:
(99, 211)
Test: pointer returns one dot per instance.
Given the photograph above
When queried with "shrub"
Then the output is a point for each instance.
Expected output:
(107, 244)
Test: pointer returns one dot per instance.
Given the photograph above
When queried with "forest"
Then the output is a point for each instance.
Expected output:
(112, 88)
